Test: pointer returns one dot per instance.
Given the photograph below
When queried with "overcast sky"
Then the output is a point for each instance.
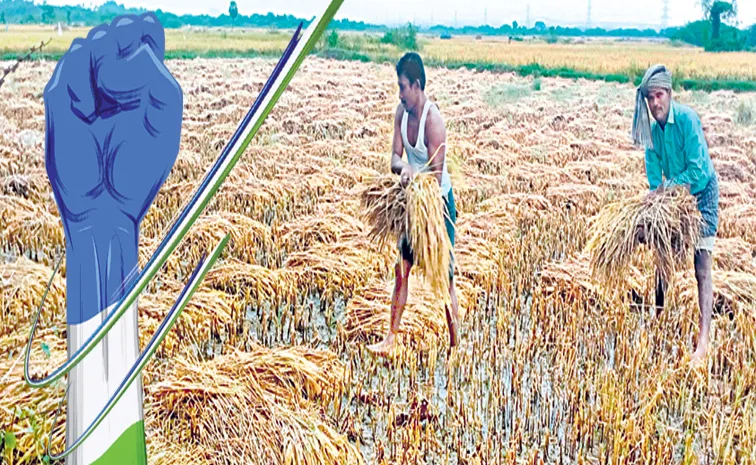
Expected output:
(605, 13)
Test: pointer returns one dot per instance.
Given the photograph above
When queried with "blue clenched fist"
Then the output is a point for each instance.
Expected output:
(113, 114)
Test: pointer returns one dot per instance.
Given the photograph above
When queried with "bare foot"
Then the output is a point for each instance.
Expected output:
(699, 355)
(383, 347)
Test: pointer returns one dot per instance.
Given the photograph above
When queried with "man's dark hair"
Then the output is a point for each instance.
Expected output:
(411, 65)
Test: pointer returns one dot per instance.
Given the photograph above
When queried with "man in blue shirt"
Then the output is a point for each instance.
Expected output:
(677, 154)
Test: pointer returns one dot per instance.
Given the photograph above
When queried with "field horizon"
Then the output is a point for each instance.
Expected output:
(622, 60)
(268, 363)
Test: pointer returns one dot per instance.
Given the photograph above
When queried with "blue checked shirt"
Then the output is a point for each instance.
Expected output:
(680, 151)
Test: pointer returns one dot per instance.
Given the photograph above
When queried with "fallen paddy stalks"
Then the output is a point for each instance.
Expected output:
(671, 224)
(553, 367)
(416, 212)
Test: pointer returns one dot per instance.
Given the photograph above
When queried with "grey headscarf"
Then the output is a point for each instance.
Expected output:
(656, 76)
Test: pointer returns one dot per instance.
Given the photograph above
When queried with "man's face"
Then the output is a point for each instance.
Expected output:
(407, 93)
(658, 103)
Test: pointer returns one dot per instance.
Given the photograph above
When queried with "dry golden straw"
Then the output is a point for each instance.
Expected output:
(671, 222)
(385, 209)
(427, 231)
(268, 363)
(416, 212)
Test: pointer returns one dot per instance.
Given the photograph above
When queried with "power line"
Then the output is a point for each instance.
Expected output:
(665, 15)
(527, 18)
(588, 21)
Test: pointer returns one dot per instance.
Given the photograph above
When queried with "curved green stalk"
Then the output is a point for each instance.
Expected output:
(157, 338)
(303, 48)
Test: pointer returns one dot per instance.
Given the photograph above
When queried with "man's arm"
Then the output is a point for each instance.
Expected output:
(653, 169)
(435, 136)
(695, 153)
(397, 164)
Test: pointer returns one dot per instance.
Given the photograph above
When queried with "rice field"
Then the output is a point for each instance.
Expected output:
(607, 56)
(268, 363)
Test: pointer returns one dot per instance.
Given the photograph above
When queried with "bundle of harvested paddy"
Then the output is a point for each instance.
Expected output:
(210, 313)
(734, 194)
(427, 236)
(478, 259)
(515, 202)
(28, 228)
(267, 200)
(422, 325)
(594, 170)
(739, 220)
(537, 177)
(735, 254)
(255, 284)
(336, 268)
(671, 222)
(22, 284)
(249, 238)
(266, 398)
(162, 451)
(327, 226)
(733, 290)
(583, 197)
(573, 277)
(385, 205)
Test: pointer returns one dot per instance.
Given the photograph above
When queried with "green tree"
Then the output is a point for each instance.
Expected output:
(752, 37)
(68, 16)
(404, 38)
(48, 13)
(333, 39)
(716, 11)
(233, 11)
(410, 39)
(2, 18)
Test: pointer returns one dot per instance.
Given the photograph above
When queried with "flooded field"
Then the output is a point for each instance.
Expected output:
(268, 363)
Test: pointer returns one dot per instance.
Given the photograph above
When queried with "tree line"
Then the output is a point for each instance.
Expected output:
(711, 32)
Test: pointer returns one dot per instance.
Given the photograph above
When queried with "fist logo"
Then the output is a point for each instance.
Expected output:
(113, 115)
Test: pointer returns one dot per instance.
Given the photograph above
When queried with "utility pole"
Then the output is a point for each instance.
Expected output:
(665, 15)
(527, 18)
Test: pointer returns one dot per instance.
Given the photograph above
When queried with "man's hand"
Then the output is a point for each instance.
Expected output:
(658, 191)
(640, 234)
(406, 175)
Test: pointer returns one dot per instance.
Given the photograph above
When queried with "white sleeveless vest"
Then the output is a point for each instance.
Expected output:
(418, 155)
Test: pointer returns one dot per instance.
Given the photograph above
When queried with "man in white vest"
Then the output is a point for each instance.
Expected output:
(419, 131)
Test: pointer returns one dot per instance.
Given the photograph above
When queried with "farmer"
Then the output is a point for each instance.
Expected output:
(419, 130)
(677, 150)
